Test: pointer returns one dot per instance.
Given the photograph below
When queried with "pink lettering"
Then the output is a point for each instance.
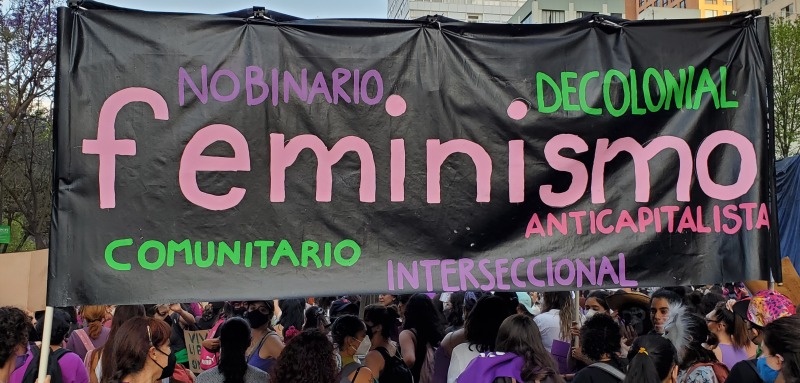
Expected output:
(747, 166)
(438, 153)
(193, 161)
(107, 147)
(580, 176)
(641, 156)
(284, 155)
(516, 171)
(398, 170)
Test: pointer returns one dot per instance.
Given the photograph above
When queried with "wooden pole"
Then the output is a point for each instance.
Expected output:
(44, 356)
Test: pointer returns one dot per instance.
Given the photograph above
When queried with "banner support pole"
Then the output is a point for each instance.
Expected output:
(44, 355)
(771, 284)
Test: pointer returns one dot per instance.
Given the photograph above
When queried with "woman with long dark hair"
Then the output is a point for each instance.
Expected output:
(384, 358)
(729, 339)
(315, 318)
(266, 345)
(422, 333)
(292, 314)
(104, 356)
(348, 333)
(142, 352)
(234, 338)
(481, 330)
(519, 355)
(652, 359)
(308, 358)
(596, 303)
(454, 312)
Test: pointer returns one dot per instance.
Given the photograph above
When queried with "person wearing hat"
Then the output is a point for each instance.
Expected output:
(342, 307)
(759, 311)
(525, 306)
(631, 309)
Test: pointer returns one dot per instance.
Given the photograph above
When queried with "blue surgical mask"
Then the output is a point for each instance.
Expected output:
(765, 372)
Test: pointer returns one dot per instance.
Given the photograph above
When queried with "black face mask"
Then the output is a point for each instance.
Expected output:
(169, 369)
(256, 318)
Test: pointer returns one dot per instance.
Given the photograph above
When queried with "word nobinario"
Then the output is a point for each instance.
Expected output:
(284, 153)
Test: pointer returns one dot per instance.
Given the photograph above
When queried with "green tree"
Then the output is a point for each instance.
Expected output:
(27, 64)
(785, 35)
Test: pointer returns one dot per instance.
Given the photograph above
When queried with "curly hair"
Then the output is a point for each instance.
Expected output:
(15, 326)
(308, 358)
(600, 335)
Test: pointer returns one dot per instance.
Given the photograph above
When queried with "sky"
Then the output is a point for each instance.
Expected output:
(307, 9)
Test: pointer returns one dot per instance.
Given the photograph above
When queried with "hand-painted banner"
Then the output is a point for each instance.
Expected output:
(227, 156)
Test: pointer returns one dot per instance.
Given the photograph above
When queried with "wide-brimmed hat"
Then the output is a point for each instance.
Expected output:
(764, 307)
(618, 300)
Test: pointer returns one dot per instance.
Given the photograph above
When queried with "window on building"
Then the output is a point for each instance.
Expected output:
(473, 18)
(728, 2)
(726, 12)
(683, 4)
(710, 13)
(787, 11)
(552, 16)
(585, 13)
(528, 19)
(641, 3)
(711, 1)
(664, 3)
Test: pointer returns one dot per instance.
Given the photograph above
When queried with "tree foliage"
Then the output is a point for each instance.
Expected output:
(785, 36)
(27, 66)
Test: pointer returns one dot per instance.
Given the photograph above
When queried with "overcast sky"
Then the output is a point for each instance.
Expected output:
(307, 9)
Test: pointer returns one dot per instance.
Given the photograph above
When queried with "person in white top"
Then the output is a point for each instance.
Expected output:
(556, 318)
(481, 332)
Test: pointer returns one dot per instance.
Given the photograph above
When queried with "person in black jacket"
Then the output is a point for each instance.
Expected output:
(600, 342)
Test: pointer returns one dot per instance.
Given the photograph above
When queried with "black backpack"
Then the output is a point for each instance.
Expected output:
(394, 369)
(53, 369)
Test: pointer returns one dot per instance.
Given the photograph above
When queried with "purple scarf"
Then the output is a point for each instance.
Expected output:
(486, 367)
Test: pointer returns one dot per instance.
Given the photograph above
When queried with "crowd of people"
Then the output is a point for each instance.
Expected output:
(709, 334)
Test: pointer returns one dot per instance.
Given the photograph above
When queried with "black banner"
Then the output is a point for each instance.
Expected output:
(226, 156)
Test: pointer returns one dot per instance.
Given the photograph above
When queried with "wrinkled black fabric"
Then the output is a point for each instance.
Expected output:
(458, 80)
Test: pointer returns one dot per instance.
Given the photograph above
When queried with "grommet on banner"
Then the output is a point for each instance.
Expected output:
(599, 19)
(74, 4)
(259, 13)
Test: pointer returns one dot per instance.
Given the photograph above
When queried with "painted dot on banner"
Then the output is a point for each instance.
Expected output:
(517, 110)
(395, 105)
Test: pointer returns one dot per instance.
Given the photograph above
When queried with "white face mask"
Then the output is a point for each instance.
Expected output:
(590, 313)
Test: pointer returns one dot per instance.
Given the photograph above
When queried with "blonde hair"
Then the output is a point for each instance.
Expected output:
(94, 316)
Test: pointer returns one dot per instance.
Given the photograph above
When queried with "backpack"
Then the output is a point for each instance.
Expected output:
(611, 370)
(208, 359)
(720, 370)
(53, 369)
(426, 373)
(394, 368)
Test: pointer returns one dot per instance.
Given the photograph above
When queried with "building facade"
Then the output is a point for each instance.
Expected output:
(559, 11)
(479, 11)
(706, 8)
(771, 8)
